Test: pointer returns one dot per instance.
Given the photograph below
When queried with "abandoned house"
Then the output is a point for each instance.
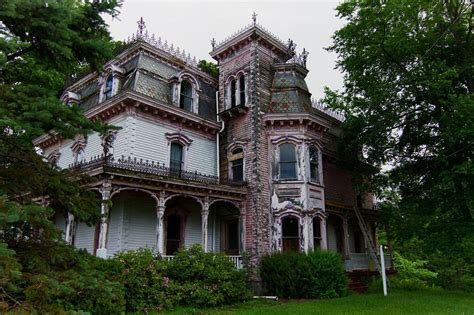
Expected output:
(242, 162)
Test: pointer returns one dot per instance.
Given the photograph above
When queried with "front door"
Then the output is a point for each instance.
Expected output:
(173, 234)
(231, 237)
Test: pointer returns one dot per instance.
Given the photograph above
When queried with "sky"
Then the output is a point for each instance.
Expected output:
(192, 25)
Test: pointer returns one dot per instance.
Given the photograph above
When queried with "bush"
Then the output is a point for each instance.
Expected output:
(297, 275)
(192, 278)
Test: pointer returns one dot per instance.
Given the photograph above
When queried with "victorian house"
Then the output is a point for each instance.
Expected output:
(242, 162)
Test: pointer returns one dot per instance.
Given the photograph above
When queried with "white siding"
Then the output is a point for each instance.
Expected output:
(150, 143)
(66, 156)
(139, 222)
(85, 236)
(121, 139)
(192, 230)
(114, 237)
(93, 146)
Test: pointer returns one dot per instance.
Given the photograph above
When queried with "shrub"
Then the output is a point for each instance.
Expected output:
(206, 279)
(297, 275)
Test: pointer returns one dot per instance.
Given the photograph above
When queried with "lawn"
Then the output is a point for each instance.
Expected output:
(400, 302)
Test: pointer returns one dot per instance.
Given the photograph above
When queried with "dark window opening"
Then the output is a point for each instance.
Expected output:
(237, 165)
(242, 90)
(186, 97)
(173, 234)
(358, 242)
(176, 159)
(287, 161)
(232, 93)
(108, 87)
(314, 164)
(290, 234)
(316, 234)
(359, 201)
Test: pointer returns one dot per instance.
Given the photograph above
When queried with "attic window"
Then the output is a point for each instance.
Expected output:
(108, 88)
(186, 96)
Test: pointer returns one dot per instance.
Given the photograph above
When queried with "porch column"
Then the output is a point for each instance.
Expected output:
(70, 229)
(104, 221)
(324, 234)
(345, 231)
(204, 219)
(160, 213)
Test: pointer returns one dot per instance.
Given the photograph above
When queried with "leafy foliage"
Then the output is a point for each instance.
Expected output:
(41, 44)
(192, 278)
(209, 67)
(297, 275)
(409, 105)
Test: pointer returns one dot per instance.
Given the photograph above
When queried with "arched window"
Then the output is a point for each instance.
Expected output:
(314, 163)
(237, 165)
(290, 234)
(316, 233)
(242, 90)
(176, 159)
(186, 96)
(108, 88)
(233, 93)
(78, 155)
(287, 161)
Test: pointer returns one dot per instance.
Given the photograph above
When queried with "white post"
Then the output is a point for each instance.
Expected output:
(384, 276)
(204, 219)
(103, 227)
(160, 212)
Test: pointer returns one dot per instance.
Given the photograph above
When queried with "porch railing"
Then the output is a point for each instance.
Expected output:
(236, 260)
(150, 167)
(361, 261)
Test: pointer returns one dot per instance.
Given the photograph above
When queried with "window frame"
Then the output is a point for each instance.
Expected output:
(183, 97)
(316, 163)
(290, 238)
(236, 154)
(293, 162)
(176, 172)
(108, 91)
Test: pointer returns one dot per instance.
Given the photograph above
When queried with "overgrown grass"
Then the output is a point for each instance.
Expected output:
(398, 302)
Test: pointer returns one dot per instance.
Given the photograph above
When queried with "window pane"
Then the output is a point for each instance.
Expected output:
(316, 228)
(108, 87)
(232, 92)
(288, 170)
(238, 170)
(186, 97)
(242, 90)
(314, 163)
(287, 153)
(290, 227)
(176, 158)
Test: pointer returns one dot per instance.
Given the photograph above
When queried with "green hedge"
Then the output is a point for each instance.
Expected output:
(298, 275)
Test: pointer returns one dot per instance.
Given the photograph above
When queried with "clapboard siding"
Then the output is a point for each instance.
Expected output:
(66, 156)
(139, 222)
(114, 237)
(192, 231)
(150, 143)
(85, 236)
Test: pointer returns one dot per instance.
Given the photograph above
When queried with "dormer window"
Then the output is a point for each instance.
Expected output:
(186, 96)
(108, 88)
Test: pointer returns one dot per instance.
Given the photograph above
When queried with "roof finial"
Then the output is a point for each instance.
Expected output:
(254, 18)
(141, 26)
(213, 43)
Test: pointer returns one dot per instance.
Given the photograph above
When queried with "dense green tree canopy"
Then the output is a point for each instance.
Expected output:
(42, 43)
(408, 70)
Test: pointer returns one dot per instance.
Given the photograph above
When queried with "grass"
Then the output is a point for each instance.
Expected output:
(397, 302)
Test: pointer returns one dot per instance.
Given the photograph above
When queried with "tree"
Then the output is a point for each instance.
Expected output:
(42, 43)
(409, 104)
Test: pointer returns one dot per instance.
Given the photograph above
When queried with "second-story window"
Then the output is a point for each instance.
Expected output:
(176, 159)
(242, 89)
(287, 161)
(108, 88)
(186, 96)
(79, 155)
(237, 165)
(314, 164)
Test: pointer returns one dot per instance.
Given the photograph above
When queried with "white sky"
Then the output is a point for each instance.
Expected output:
(192, 24)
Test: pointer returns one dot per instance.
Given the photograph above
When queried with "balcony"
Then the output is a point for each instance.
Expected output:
(150, 167)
